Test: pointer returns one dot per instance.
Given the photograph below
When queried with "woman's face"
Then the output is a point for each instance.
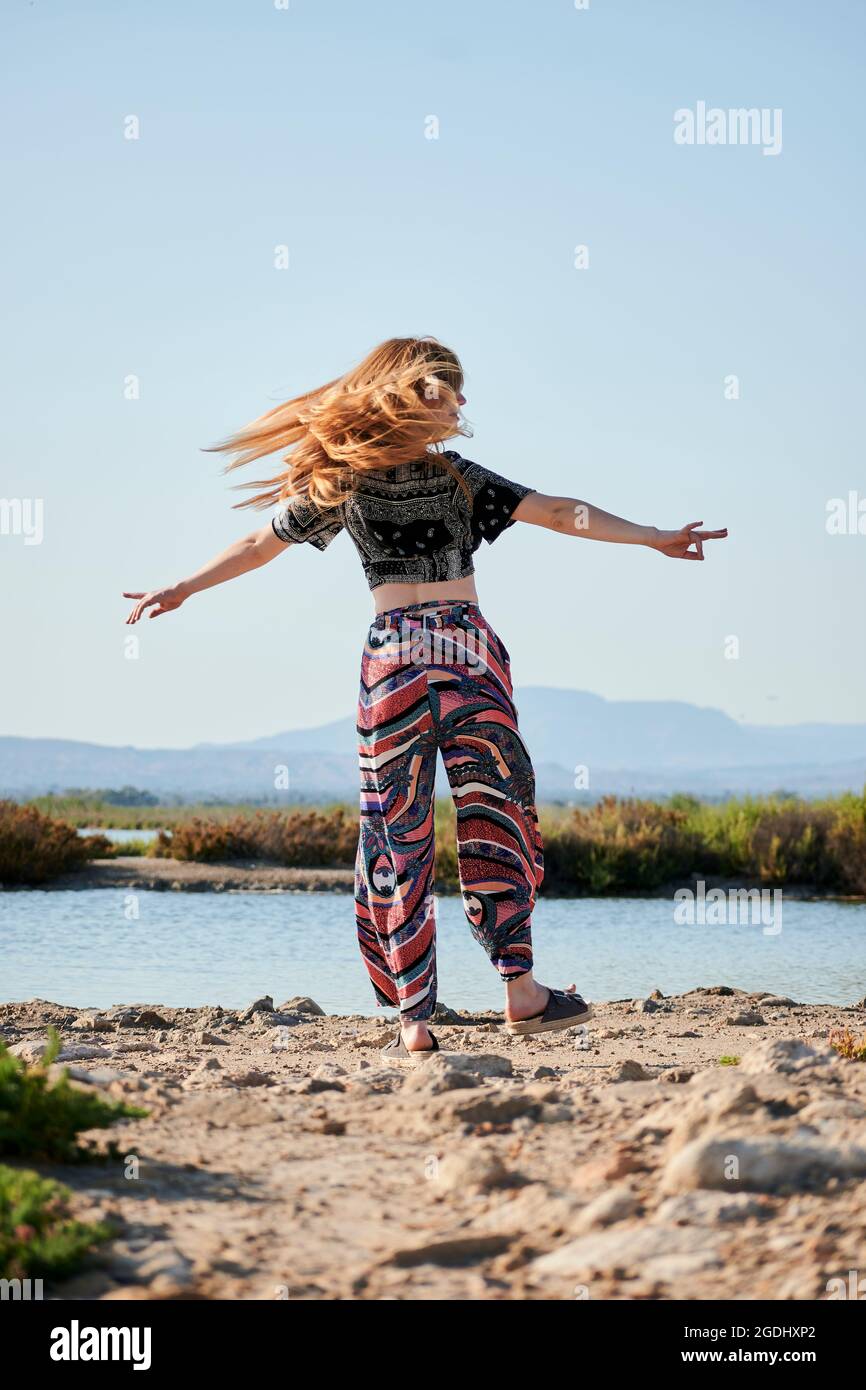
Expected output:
(439, 406)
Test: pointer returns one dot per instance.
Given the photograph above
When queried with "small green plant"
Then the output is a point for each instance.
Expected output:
(41, 1121)
(843, 1041)
(729, 1061)
(37, 1234)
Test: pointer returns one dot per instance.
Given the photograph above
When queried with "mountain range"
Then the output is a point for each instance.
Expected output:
(582, 745)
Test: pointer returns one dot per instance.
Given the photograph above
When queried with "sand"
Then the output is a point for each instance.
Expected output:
(283, 1159)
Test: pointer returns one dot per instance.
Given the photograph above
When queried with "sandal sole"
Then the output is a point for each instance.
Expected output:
(528, 1026)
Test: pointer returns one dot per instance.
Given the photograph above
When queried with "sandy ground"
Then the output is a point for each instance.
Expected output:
(138, 871)
(282, 1158)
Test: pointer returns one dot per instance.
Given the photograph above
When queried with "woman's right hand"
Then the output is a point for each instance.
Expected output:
(160, 600)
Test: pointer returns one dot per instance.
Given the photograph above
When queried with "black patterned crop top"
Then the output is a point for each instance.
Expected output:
(411, 524)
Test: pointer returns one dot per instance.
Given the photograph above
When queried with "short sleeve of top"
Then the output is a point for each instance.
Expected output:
(494, 499)
(300, 520)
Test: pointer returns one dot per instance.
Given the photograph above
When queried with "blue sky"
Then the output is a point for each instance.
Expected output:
(306, 127)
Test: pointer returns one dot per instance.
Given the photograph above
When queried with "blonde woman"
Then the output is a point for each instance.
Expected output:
(364, 454)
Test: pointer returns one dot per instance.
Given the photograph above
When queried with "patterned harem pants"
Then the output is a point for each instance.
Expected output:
(435, 677)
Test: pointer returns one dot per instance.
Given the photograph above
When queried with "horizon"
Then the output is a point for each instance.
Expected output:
(323, 723)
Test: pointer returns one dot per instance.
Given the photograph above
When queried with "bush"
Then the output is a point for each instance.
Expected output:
(37, 1234)
(35, 847)
(301, 839)
(617, 846)
(40, 1121)
(614, 846)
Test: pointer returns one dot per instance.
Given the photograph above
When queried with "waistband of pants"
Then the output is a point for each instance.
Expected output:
(430, 613)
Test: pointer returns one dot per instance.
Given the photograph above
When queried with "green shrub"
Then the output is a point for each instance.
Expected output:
(35, 847)
(41, 1121)
(37, 1235)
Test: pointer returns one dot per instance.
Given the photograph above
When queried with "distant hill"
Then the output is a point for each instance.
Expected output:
(646, 747)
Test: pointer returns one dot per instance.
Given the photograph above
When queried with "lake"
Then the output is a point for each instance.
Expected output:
(188, 949)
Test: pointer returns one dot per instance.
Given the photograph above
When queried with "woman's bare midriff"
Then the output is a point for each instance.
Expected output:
(388, 596)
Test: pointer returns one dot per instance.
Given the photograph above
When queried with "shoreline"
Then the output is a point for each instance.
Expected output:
(501, 1169)
(184, 875)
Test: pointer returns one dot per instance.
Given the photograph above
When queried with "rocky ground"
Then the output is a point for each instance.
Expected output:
(282, 1159)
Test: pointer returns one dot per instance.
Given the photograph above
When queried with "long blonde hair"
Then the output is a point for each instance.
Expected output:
(372, 417)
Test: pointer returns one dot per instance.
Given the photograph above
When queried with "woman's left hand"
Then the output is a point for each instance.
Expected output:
(677, 544)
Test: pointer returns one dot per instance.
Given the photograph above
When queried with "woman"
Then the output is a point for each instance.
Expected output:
(364, 453)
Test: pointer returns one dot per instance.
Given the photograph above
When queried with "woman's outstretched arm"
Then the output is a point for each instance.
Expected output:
(246, 554)
(574, 518)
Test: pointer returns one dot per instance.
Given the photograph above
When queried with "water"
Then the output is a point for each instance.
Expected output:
(119, 837)
(77, 947)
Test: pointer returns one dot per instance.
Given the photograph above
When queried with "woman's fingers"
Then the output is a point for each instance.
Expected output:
(145, 601)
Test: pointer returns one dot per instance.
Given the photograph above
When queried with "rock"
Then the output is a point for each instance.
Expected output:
(205, 1039)
(459, 1250)
(787, 1055)
(618, 1204)
(263, 1019)
(330, 1069)
(258, 1006)
(442, 1014)
(710, 1109)
(776, 1001)
(437, 1076)
(749, 1018)
(32, 1051)
(204, 1071)
(759, 1165)
(541, 1072)
(488, 1107)
(664, 1253)
(379, 1080)
(249, 1078)
(99, 1076)
(135, 1045)
(471, 1172)
(301, 1004)
(313, 1084)
(28, 1051)
(647, 1006)
(709, 1208)
(125, 1017)
(631, 1070)
(555, 1114)
(480, 1063)
(149, 1018)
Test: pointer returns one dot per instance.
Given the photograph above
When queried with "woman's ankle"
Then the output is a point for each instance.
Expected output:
(415, 1032)
(524, 996)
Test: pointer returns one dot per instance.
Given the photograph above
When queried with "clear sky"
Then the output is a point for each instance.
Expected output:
(262, 126)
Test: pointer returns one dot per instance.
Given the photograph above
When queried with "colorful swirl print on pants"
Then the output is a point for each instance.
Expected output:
(436, 678)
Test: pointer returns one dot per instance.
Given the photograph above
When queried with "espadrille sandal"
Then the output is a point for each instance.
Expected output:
(397, 1051)
(563, 1010)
